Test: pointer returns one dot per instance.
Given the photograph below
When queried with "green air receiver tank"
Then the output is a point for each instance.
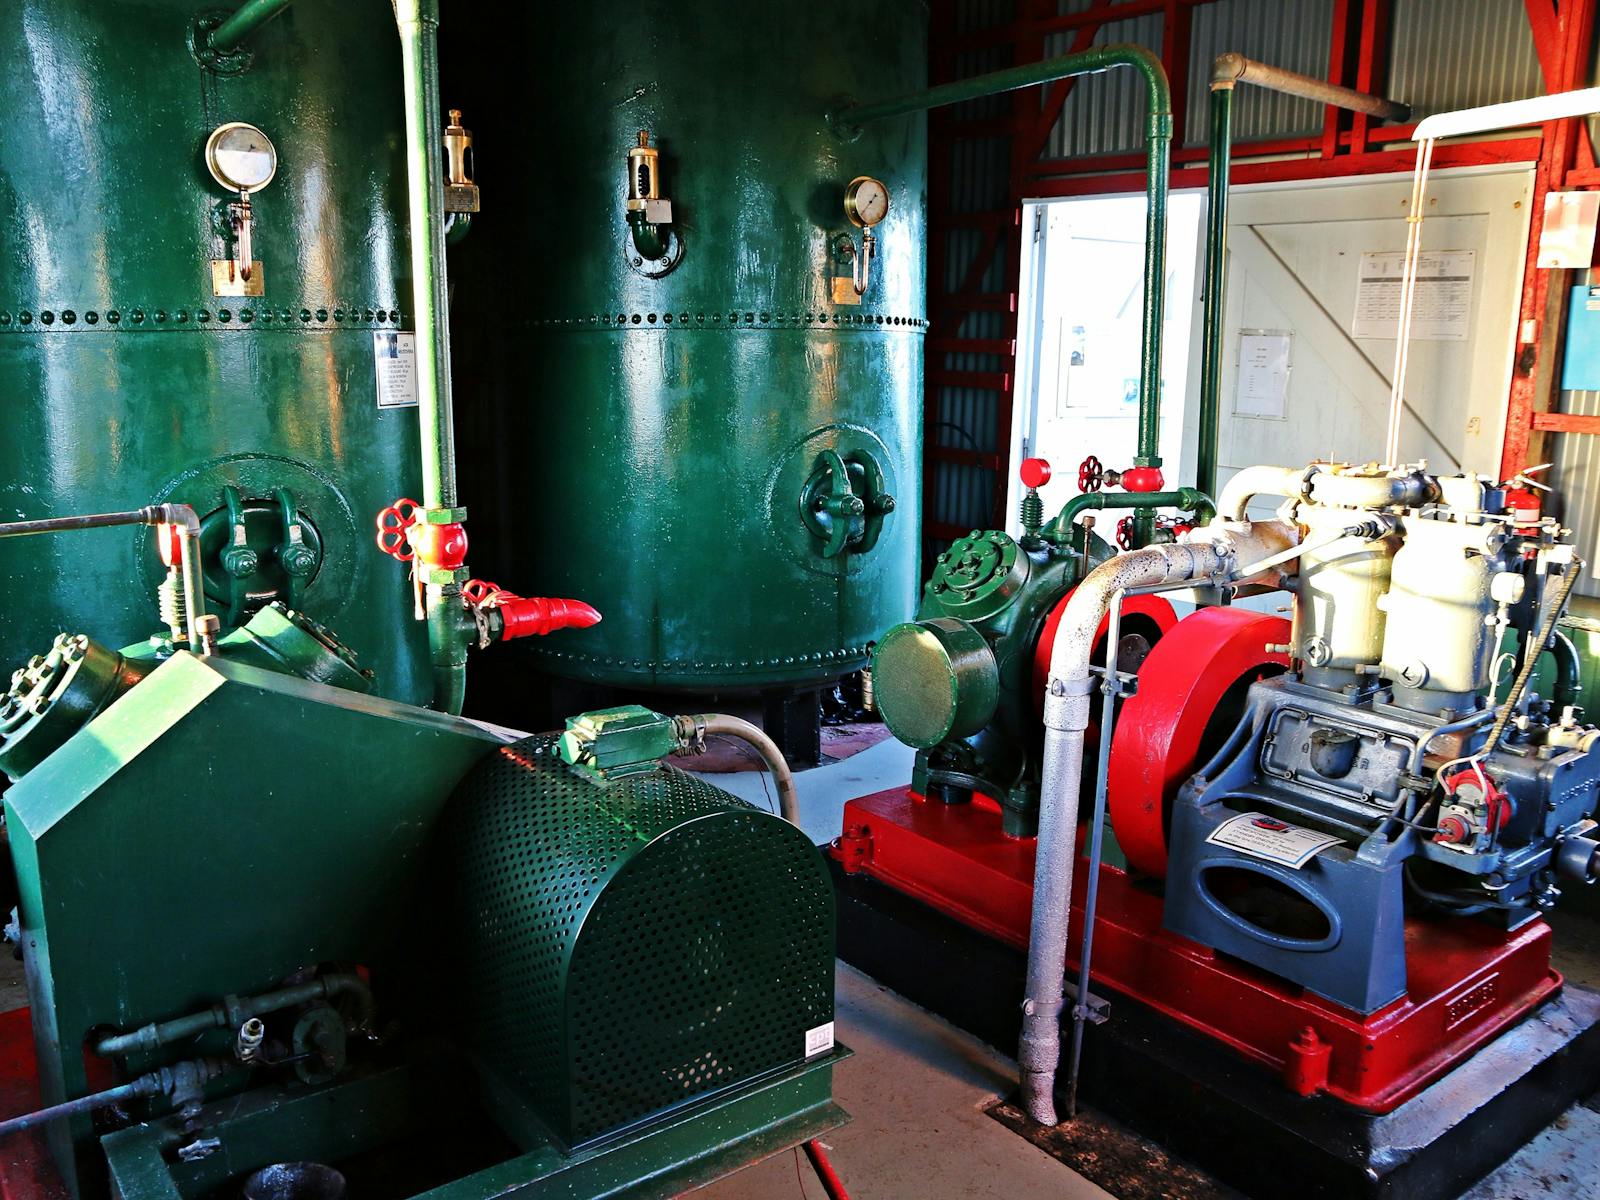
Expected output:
(699, 426)
(138, 363)
(621, 950)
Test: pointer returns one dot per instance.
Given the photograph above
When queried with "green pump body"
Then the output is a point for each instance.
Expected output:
(126, 380)
(958, 683)
(692, 424)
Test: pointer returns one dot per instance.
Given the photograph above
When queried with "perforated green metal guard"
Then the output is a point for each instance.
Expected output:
(626, 949)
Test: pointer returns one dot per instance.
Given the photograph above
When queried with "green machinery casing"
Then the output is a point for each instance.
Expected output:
(125, 380)
(639, 972)
(959, 683)
(623, 949)
(659, 429)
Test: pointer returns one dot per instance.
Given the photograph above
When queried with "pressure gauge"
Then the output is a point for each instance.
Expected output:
(241, 157)
(866, 201)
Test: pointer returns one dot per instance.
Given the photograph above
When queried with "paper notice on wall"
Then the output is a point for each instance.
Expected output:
(1441, 310)
(395, 356)
(1268, 838)
(1263, 385)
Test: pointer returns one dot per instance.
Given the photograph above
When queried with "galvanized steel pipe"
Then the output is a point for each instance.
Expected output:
(1158, 141)
(180, 516)
(1227, 71)
(1066, 716)
(1246, 485)
(245, 20)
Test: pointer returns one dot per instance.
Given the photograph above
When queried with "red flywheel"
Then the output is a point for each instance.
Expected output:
(1191, 689)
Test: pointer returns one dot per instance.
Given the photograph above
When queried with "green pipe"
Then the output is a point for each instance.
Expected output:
(246, 19)
(419, 47)
(1568, 685)
(418, 21)
(456, 228)
(1158, 141)
(1215, 287)
(1142, 503)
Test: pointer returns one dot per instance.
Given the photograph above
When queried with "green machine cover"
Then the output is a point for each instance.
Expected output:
(627, 948)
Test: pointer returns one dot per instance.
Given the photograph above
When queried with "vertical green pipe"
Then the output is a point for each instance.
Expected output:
(418, 21)
(244, 21)
(1158, 146)
(1216, 284)
(419, 48)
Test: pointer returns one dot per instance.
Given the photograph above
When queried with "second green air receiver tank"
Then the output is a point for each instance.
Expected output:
(702, 427)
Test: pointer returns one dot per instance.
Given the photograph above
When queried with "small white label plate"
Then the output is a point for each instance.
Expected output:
(819, 1040)
(1264, 837)
(395, 356)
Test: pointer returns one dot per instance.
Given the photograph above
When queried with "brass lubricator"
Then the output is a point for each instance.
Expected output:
(647, 212)
(460, 193)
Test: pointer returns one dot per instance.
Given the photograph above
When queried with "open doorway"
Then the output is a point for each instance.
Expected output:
(1079, 332)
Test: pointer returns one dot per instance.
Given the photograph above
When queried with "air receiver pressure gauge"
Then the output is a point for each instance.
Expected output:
(866, 202)
(242, 159)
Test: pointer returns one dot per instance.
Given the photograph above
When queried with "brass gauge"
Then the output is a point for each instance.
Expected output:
(866, 201)
(241, 158)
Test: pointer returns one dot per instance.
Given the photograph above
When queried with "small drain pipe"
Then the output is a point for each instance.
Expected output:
(1208, 555)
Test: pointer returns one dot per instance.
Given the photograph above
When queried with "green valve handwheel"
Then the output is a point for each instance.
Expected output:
(935, 679)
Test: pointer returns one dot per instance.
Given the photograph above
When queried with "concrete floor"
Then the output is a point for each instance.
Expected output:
(917, 1085)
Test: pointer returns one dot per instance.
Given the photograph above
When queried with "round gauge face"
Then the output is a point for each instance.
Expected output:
(241, 157)
(866, 201)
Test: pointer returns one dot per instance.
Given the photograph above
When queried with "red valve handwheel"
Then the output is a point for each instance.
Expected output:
(1125, 533)
(1091, 474)
(392, 523)
(478, 590)
(1035, 472)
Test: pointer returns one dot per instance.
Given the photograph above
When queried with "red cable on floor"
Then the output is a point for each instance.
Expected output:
(831, 1183)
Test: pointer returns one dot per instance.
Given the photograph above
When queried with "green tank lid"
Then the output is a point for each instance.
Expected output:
(935, 679)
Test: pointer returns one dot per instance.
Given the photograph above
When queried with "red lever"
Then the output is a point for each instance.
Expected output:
(525, 616)
(1091, 474)
(1035, 472)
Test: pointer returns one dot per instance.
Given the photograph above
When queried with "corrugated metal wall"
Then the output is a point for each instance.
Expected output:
(1444, 54)
(1461, 54)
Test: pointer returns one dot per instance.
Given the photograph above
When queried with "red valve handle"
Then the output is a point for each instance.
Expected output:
(1035, 472)
(392, 524)
(1091, 474)
(478, 590)
(1125, 533)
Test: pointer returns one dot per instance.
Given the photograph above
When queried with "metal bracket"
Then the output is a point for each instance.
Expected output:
(1097, 1011)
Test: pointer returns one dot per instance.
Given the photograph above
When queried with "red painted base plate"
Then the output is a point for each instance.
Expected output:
(1467, 981)
(26, 1170)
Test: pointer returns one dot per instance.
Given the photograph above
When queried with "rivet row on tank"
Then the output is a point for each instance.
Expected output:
(734, 319)
(665, 665)
(138, 316)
